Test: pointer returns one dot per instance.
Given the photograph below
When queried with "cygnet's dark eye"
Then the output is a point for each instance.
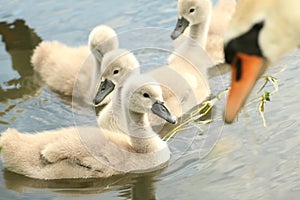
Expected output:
(192, 10)
(116, 71)
(146, 95)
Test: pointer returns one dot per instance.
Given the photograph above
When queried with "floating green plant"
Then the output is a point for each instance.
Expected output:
(197, 114)
(265, 97)
(194, 118)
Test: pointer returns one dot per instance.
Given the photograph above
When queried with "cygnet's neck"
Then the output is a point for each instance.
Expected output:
(96, 71)
(129, 122)
(199, 32)
(143, 139)
(134, 125)
(98, 61)
(138, 119)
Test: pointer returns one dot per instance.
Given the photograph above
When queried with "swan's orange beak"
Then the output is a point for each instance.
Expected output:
(246, 69)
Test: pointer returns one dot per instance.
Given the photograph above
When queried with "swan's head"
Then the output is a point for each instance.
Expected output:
(191, 12)
(102, 39)
(141, 94)
(116, 66)
(259, 33)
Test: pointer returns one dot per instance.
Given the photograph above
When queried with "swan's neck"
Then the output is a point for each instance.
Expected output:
(199, 32)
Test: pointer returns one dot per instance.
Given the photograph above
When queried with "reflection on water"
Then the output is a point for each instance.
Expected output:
(131, 186)
(19, 40)
(20, 87)
(254, 163)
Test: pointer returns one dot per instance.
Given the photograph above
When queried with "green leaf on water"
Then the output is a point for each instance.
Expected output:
(267, 96)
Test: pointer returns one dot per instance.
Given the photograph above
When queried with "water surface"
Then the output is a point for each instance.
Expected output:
(250, 161)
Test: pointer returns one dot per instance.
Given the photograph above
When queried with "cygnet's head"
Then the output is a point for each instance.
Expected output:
(117, 63)
(142, 94)
(191, 12)
(102, 39)
(116, 66)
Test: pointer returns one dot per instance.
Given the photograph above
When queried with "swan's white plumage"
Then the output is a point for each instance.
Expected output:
(281, 25)
(221, 16)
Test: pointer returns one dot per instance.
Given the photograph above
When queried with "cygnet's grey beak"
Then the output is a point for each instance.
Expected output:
(162, 111)
(181, 25)
(105, 88)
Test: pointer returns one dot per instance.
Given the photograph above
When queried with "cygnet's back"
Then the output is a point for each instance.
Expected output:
(90, 152)
(58, 64)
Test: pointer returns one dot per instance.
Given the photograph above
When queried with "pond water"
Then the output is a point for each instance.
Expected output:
(249, 161)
